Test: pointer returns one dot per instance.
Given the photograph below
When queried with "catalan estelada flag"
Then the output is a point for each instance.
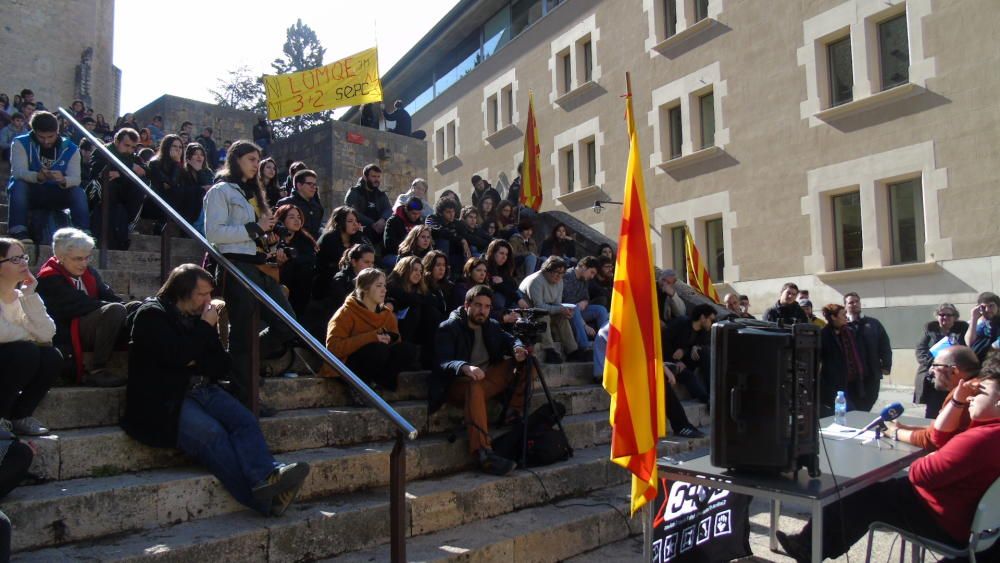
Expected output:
(531, 172)
(697, 274)
(633, 370)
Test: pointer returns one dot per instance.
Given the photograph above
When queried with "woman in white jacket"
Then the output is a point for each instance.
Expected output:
(30, 362)
(238, 221)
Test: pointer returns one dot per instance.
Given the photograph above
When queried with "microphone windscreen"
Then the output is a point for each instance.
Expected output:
(892, 412)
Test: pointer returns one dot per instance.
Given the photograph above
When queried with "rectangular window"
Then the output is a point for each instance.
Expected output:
(841, 71)
(670, 15)
(590, 149)
(567, 73)
(678, 252)
(700, 10)
(847, 230)
(676, 136)
(570, 170)
(508, 105)
(706, 106)
(439, 144)
(716, 259)
(450, 138)
(906, 218)
(588, 61)
(894, 52)
(492, 114)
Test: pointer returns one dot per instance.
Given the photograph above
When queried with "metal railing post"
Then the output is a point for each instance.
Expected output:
(397, 499)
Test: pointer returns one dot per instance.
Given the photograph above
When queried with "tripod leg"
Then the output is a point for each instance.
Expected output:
(548, 396)
(523, 462)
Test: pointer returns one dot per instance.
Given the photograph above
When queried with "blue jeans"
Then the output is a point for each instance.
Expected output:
(223, 435)
(596, 313)
(530, 263)
(25, 197)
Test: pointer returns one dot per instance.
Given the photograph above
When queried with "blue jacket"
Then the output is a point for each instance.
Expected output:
(25, 167)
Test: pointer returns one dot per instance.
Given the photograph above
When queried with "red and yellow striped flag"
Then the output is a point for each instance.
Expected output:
(633, 371)
(531, 173)
(697, 274)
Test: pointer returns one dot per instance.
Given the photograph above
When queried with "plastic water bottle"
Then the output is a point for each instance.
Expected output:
(840, 409)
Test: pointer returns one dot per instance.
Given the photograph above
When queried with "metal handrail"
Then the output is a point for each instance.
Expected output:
(352, 379)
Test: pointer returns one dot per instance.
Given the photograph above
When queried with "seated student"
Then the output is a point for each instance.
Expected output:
(445, 230)
(320, 309)
(407, 297)
(418, 190)
(473, 274)
(403, 220)
(304, 197)
(438, 289)
(30, 363)
(587, 317)
(89, 316)
(364, 334)
(525, 250)
(165, 172)
(371, 203)
(267, 177)
(787, 310)
(984, 327)
(481, 189)
(342, 231)
(488, 229)
(468, 229)
(543, 290)
(937, 499)
(296, 257)
(174, 401)
(560, 243)
(473, 364)
(603, 283)
(500, 271)
(125, 198)
(44, 174)
(16, 128)
(418, 242)
(487, 207)
(506, 218)
(196, 180)
(687, 343)
(951, 367)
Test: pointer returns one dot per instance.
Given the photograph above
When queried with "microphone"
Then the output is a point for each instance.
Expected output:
(891, 412)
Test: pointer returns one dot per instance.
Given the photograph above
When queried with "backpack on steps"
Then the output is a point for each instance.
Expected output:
(546, 443)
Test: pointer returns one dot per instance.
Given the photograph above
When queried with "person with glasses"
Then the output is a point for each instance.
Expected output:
(939, 334)
(948, 370)
(30, 362)
(544, 290)
(304, 197)
(89, 316)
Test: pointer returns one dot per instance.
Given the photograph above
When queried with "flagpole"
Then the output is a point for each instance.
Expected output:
(628, 84)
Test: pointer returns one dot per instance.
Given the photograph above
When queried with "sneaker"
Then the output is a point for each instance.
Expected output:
(103, 377)
(28, 426)
(283, 500)
(690, 432)
(495, 464)
(278, 365)
(552, 357)
(286, 477)
(795, 545)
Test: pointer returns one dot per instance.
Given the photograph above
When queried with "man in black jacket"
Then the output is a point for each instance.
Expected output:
(399, 225)
(876, 352)
(482, 189)
(472, 365)
(399, 115)
(787, 310)
(173, 399)
(370, 202)
(304, 197)
(687, 343)
(125, 198)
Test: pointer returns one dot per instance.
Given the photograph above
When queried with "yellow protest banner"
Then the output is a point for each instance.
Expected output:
(351, 81)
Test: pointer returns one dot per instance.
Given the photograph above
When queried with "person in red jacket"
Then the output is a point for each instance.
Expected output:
(939, 497)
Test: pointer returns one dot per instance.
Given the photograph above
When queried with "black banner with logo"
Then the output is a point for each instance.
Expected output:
(696, 524)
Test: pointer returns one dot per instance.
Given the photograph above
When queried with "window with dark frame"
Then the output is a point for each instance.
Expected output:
(567, 73)
(716, 249)
(493, 114)
(670, 18)
(451, 135)
(678, 252)
(570, 170)
(893, 52)
(700, 10)
(588, 61)
(676, 134)
(591, 152)
(439, 144)
(841, 71)
(847, 230)
(706, 107)
(906, 221)
(508, 105)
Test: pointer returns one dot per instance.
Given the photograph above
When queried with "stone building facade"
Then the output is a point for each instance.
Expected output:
(846, 145)
(62, 51)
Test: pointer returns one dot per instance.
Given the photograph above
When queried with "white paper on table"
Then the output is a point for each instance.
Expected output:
(841, 432)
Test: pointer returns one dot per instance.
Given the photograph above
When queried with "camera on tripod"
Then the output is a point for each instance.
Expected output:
(528, 328)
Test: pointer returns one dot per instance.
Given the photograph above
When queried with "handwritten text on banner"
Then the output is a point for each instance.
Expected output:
(351, 81)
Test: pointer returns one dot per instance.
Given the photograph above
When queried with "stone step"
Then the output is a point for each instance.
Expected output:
(628, 549)
(333, 525)
(107, 450)
(85, 407)
(121, 260)
(549, 532)
(68, 511)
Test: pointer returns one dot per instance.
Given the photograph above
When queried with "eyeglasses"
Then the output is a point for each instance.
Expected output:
(307, 183)
(22, 259)
(942, 366)
(947, 315)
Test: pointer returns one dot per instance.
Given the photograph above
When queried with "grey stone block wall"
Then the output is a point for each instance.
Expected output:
(226, 123)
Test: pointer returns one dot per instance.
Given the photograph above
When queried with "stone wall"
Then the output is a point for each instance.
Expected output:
(42, 42)
(338, 151)
(226, 123)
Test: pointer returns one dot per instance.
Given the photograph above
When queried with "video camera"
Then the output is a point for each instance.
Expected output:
(282, 231)
(527, 328)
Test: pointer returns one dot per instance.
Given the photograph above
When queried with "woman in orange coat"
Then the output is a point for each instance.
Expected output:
(364, 334)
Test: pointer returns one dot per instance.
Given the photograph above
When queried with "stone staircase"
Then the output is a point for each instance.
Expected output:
(95, 494)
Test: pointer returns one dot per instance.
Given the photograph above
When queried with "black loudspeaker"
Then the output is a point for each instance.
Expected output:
(765, 389)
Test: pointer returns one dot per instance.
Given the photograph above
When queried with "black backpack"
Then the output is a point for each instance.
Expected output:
(546, 443)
